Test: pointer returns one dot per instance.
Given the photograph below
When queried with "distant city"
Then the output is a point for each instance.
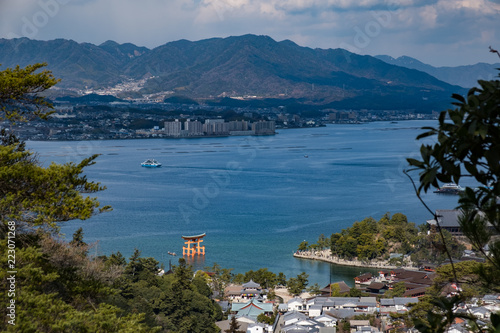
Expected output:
(117, 120)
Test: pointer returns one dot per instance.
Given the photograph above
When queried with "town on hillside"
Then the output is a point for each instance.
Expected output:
(382, 301)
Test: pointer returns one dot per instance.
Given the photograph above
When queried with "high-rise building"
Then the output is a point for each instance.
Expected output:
(215, 127)
(173, 128)
(238, 125)
(193, 128)
(264, 127)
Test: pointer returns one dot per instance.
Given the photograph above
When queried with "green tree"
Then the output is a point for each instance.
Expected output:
(334, 247)
(234, 326)
(281, 279)
(355, 292)
(334, 290)
(262, 318)
(467, 144)
(304, 246)
(57, 286)
(296, 285)
(78, 238)
(314, 289)
(398, 290)
(19, 93)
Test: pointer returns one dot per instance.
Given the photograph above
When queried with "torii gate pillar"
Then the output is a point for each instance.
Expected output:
(195, 242)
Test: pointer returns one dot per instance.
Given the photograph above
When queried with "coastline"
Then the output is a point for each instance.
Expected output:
(325, 256)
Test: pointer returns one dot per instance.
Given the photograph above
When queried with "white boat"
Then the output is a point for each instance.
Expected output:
(151, 163)
(450, 188)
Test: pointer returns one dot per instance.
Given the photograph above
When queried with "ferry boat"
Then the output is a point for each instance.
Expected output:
(151, 163)
(450, 188)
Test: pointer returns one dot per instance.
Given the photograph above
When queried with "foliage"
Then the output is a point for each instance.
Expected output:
(296, 285)
(58, 288)
(19, 89)
(263, 277)
(177, 302)
(33, 194)
(262, 318)
(371, 239)
(222, 277)
(234, 326)
(314, 289)
(398, 289)
(303, 246)
(467, 144)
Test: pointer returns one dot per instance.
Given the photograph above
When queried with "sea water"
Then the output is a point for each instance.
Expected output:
(256, 198)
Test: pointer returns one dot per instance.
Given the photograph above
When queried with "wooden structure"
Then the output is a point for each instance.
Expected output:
(193, 246)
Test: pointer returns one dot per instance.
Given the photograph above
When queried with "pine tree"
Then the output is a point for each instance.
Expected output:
(233, 326)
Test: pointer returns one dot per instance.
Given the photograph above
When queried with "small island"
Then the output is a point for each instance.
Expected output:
(391, 242)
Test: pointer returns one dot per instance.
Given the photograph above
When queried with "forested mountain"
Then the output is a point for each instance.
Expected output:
(464, 76)
(236, 66)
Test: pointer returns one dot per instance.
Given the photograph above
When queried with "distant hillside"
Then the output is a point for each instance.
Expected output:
(246, 65)
(464, 76)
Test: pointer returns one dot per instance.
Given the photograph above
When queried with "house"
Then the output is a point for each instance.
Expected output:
(357, 325)
(303, 326)
(298, 329)
(296, 304)
(341, 313)
(396, 304)
(247, 290)
(326, 320)
(367, 304)
(224, 325)
(415, 292)
(491, 299)
(365, 278)
(342, 288)
(252, 308)
(448, 220)
(481, 312)
(293, 317)
(315, 310)
(377, 288)
(251, 289)
(416, 282)
(259, 328)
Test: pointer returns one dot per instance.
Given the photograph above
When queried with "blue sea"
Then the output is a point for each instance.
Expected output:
(256, 198)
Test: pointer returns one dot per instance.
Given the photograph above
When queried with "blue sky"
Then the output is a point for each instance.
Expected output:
(437, 32)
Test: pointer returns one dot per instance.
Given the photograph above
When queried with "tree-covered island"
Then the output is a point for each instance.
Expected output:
(389, 242)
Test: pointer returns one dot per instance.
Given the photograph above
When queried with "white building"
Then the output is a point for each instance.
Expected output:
(173, 128)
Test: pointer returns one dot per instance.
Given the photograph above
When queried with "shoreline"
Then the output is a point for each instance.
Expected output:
(327, 257)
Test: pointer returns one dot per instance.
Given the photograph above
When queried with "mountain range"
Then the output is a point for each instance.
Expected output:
(464, 76)
(247, 65)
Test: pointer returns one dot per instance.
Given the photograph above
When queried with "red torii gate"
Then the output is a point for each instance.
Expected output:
(195, 241)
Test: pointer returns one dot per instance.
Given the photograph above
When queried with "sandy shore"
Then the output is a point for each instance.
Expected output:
(326, 256)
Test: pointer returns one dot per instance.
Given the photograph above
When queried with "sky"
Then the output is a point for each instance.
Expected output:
(437, 32)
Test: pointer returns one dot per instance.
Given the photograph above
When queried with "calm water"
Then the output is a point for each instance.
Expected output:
(256, 198)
